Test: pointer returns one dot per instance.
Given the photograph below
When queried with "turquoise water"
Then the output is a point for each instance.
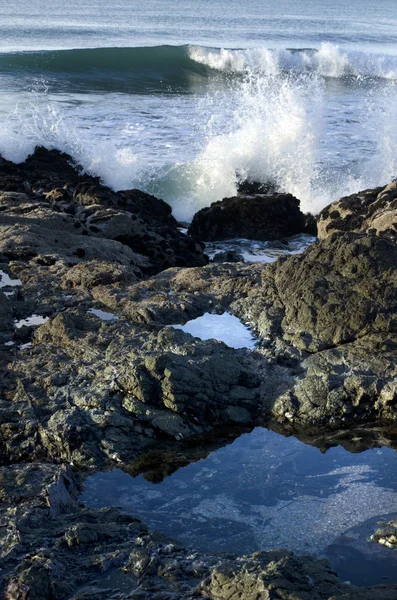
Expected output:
(185, 98)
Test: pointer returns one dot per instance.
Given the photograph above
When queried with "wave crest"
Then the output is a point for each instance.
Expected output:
(328, 61)
(185, 67)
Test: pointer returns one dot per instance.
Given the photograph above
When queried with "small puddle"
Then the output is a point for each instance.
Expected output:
(101, 314)
(33, 320)
(225, 328)
(267, 491)
(5, 280)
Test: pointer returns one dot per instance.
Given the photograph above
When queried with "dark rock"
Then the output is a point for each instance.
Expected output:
(252, 188)
(228, 256)
(256, 217)
(62, 211)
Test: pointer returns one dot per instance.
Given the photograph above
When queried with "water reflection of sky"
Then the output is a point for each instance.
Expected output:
(265, 491)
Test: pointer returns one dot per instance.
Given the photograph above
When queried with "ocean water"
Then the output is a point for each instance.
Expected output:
(184, 98)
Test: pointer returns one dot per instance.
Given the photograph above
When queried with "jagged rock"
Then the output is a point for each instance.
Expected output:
(370, 211)
(141, 388)
(256, 217)
(274, 574)
(59, 205)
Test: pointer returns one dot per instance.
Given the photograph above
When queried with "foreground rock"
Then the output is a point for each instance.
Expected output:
(386, 535)
(371, 211)
(95, 391)
(52, 547)
(270, 216)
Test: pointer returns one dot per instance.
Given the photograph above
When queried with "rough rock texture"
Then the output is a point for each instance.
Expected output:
(371, 211)
(49, 209)
(255, 217)
(386, 535)
(97, 390)
(275, 574)
(107, 381)
(105, 390)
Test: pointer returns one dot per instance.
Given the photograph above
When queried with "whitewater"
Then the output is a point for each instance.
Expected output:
(185, 101)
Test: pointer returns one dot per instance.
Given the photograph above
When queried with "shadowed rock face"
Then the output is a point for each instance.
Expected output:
(96, 393)
(49, 209)
(255, 217)
(371, 211)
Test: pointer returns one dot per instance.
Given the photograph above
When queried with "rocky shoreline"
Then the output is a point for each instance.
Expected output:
(93, 375)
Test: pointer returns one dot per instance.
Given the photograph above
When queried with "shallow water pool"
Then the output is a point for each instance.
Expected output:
(265, 491)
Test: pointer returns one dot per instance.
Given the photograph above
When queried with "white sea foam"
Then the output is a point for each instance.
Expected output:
(270, 126)
(274, 119)
(255, 251)
(329, 60)
(271, 131)
(225, 328)
(42, 122)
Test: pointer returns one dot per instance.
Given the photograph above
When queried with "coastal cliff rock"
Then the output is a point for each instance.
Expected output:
(269, 216)
(370, 211)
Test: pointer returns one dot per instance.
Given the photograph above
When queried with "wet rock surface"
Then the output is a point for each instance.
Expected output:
(268, 216)
(100, 389)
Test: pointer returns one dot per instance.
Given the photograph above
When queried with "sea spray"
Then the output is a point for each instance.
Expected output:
(317, 123)
(43, 122)
(381, 126)
(271, 129)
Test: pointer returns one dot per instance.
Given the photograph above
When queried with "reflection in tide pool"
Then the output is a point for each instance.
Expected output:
(266, 491)
(225, 328)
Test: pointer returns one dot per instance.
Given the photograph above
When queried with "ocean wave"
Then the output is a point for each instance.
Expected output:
(272, 120)
(133, 70)
(327, 61)
(181, 68)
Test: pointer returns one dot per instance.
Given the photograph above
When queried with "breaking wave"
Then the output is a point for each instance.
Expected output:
(327, 61)
(185, 68)
(270, 119)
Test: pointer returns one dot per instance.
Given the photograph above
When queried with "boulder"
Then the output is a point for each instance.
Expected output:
(255, 217)
(370, 211)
